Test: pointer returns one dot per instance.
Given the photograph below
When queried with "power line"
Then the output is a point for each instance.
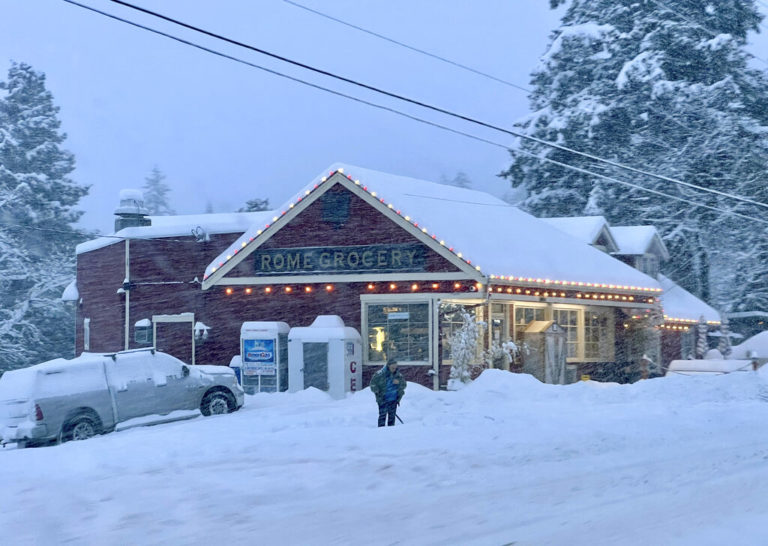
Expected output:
(409, 116)
(425, 105)
(407, 46)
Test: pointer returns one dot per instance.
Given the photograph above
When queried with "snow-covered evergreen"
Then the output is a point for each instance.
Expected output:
(37, 237)
(156, 194)
(664, 87)
(464, 350)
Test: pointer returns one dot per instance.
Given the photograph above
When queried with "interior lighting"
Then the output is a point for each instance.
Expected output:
(435, 285)
(392, 286)
(248, 290)
(457, 285)
(307, 289)
(414, 287)
(229, 291)
(370, 286)
(328, 287)
(268, 289)
(288, 289)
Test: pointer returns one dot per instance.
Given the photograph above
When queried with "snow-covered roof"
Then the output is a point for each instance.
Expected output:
(587, 229)
(70, 292)
(756, 346)
(181, 225)
(638, 240)
(681, 305)
(492, 236)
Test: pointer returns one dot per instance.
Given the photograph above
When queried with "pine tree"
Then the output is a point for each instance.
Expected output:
(660, 86)
(37, 237)
(255, 205)
(156, 194)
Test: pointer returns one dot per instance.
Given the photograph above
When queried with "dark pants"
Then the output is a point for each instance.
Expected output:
(387, 412)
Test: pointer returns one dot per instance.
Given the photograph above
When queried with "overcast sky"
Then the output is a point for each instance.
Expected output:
(224, 133)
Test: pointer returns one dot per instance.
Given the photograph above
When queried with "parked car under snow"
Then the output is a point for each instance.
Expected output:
(63, 400)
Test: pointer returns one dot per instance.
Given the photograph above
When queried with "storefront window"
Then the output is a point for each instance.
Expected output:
(568, 320)
(399, 331)
(598, 334)
(524, 316)
(451, 321)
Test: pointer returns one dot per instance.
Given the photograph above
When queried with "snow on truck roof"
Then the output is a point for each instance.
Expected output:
(496, 238)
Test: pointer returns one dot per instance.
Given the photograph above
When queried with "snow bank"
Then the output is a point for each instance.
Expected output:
(506, 459)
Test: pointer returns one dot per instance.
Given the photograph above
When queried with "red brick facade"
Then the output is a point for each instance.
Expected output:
(165, 275)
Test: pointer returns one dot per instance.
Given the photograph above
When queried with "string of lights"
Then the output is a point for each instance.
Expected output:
(419, 103)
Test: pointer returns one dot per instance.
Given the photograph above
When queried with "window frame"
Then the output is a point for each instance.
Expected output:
(394, 300)
(581, 350)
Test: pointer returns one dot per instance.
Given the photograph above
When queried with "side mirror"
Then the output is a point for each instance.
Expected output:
(184, 371)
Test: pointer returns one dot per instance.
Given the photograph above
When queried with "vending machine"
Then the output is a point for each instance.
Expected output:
(326, 355)
(264, 356)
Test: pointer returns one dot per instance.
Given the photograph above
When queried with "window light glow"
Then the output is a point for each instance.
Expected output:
(414, 287)
(392, 286)
(328, 287)
(268, 289)
(229, 291)
(248, 290)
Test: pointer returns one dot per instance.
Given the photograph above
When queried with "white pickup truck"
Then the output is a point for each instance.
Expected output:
(63, 400)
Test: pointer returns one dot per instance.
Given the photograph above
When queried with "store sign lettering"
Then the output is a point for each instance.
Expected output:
(340, 259)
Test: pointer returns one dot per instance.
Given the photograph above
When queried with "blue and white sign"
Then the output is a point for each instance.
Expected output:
(259, 357)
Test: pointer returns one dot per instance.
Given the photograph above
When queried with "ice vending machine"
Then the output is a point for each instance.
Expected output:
(264, 356)
(326, 355)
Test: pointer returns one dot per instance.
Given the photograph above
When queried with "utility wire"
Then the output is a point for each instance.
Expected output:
(409, 116)
(407, 46)
(420, 103)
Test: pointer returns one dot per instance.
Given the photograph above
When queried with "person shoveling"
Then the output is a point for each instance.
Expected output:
(388, 384)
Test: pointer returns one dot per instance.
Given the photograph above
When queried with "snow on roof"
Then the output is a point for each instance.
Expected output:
(756, 346)
(637, 240)
(479, 228)
(585, 228)
(70, 292)
(679, 304)
(181, 225)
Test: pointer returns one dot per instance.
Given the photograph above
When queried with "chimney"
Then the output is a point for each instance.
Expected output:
(131, 212)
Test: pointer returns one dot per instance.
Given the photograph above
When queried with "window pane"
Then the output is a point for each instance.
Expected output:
(399, 331)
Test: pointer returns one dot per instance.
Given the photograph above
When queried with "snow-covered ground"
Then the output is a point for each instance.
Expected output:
(678, 460)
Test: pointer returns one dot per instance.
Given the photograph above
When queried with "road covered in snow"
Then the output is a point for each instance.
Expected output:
(678, 460)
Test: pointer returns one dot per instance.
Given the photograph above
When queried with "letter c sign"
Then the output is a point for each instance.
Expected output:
(353, 366)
